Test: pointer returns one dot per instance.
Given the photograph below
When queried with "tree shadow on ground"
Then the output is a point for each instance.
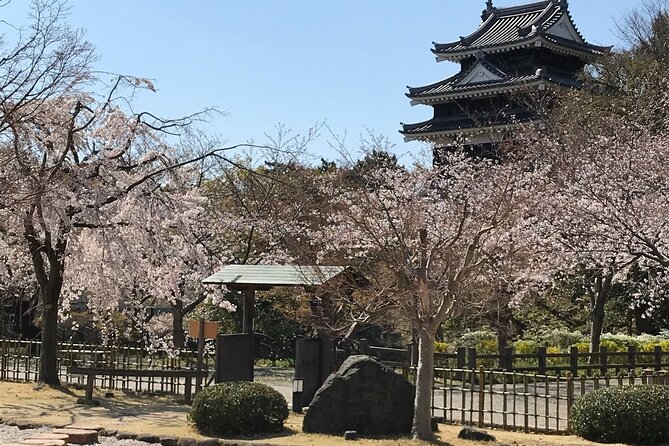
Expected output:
(64, 390)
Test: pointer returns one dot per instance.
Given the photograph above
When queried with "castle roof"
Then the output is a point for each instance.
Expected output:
(546, 23)
(463, 85)
(465, 125)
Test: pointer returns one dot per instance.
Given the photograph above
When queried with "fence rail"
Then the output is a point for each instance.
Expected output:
(531, 402)
(543, 363)
(19, 361)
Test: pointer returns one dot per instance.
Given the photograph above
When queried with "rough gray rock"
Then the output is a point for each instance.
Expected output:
(363, 395)
(470, 433)
(168, 440)
(186, 441)
(148, 438)
(126, 436)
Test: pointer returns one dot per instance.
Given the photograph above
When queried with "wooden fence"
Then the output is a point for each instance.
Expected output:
(19, 361)
(532, 392)
(574, 361)
(531, 402)
(543, 363)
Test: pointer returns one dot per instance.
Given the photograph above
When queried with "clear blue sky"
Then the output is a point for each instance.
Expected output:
(292, 61)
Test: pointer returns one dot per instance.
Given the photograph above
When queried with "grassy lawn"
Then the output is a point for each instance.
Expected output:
(164, 416)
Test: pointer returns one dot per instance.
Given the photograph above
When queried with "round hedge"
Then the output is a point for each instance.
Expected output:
(634, 414)
(238, 408)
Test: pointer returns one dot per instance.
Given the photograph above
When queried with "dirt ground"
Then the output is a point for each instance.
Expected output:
(164, 416)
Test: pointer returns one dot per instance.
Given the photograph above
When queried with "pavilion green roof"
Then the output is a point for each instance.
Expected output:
(267, 276)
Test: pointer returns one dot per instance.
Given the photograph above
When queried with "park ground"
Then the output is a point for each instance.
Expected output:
(26, 403)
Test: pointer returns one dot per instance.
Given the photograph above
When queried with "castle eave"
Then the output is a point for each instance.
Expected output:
(474, 135)
(563, 46)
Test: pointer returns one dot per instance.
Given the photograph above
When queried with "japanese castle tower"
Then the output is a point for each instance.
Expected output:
(516, 49)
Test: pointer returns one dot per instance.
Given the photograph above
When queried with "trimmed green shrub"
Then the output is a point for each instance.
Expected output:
(634, 414)
(238, 408)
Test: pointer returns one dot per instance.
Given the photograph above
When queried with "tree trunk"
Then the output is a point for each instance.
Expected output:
(502, 338)
(598, 298)
(422, 419)
(48, 358)
(178, 338)
(597, 325)
(49, 263)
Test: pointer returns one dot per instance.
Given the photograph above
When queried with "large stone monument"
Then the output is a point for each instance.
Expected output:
(365, 396)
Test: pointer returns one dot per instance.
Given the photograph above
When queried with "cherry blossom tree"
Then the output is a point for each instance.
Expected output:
(607, 210)
(93, 194)
(166, 243)
(424, 238)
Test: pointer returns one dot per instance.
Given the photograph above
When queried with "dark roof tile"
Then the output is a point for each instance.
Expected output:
(515, 25)
(450, 85)
(461, 122)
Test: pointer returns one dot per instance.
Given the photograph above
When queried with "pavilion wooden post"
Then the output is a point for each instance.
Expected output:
(247, 323)
(249, 310)
(200, 354)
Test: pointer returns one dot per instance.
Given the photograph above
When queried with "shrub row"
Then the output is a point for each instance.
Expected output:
(556, 341)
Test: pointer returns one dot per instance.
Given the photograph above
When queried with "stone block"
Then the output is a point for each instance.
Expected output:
(79, 436)
(87, 427)
(350, 435)
(44, 442)
(48, 436)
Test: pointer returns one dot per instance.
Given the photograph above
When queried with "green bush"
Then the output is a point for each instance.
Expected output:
(559, 338)
(484, 341)
(238, 408)
(634, 414)
(525, 347)
(582, 347)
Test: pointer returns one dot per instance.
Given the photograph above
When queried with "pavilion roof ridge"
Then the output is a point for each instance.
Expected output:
(274, 275)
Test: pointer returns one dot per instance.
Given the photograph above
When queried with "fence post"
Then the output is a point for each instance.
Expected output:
(481, 395)
(5, 361)
(508, 358)
(631, 358)
(541, 352)
(570, 397)
(461, 354)
(604, 360)
(573, 360)
(471, 358)
(526, 405)
(658, 358)
(363, 346)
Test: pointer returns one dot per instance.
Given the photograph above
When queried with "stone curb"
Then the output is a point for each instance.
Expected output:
(163, 440)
